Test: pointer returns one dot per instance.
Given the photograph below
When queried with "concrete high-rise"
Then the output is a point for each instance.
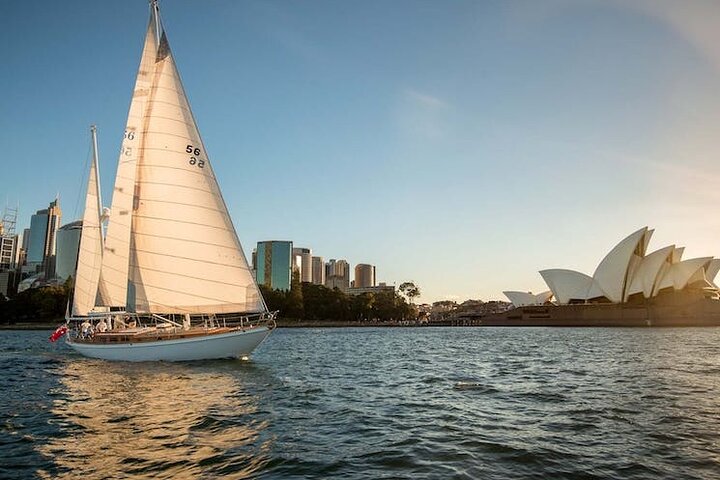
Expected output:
(318, 271)
(364, 275)
(302, 262)
(22, 254)
(337, 274)
(8, 251)
(274, 264)
(42, 240)
(8, 239)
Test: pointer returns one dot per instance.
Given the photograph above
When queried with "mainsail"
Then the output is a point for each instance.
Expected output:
(89, 261)
(171, 246)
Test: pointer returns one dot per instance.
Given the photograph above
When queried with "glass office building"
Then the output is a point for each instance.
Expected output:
(68, 242)
(274, 261)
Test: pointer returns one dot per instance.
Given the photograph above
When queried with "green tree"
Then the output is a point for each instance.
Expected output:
(294, 307)
(410, 290)
(36, 304)
(361, 306)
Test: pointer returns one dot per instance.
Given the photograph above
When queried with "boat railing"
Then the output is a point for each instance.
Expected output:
(85, 328)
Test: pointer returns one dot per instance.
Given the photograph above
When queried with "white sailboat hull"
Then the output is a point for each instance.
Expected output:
(235, 344)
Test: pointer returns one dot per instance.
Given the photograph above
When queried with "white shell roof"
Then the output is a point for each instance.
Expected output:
(610, 275)
(648, 272)
(567, 284)
(627, 270)
(712, 270)
(679, 274)
(521, 299)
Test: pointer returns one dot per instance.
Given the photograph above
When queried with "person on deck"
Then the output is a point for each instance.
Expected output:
(85, 329)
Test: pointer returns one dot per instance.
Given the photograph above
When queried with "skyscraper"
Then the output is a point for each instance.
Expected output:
(43, 233)
(8, 240)
(8, 252)
(8, 249)
(22, 254)
(364, 275)
(318, 271)
(337, 274)
(68, 242)
(274, 264)
(302, 261)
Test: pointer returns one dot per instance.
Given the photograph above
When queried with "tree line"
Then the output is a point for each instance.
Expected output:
(317, 303)
(39, 305)
(304, 301)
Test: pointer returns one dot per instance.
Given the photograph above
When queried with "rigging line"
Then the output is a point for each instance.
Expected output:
(121, 287)
(172, 104)
(114, 238)
(180, 257)
(84, 278)
(105, 266)
(214, 192)
(168, 202)
(168, 134)
(197, 242)
(182, 169)
(194, 277)
(86, 250)
(188, 294)
(155, 116)
(83, 180)
(165, 184)
(147, 217)
(172, 89)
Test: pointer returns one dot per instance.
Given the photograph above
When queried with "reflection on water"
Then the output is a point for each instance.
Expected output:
(154, 420)
(420, 403)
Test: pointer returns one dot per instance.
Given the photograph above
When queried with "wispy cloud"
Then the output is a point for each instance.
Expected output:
(424, 99)
(422, 116)
(681, 186)
(696, 22)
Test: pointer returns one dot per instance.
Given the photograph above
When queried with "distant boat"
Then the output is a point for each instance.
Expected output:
(169, 280)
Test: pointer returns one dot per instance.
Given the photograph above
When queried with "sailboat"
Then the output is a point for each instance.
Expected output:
(169, 279)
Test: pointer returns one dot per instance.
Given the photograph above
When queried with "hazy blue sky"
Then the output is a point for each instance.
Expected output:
(464, 145)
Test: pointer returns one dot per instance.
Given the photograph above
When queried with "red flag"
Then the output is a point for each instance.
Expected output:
(61, 330)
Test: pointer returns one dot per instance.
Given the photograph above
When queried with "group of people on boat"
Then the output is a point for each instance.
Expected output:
(88, 329)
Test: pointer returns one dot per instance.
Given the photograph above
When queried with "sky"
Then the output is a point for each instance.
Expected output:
(462, 145)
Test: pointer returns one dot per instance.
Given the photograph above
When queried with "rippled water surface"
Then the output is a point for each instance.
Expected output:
(373, 403)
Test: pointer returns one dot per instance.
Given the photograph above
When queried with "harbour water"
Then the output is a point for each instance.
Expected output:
(358, 403)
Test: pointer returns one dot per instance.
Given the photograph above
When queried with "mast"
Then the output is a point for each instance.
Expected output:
(89, 260)
(96, 161)
(156, 19)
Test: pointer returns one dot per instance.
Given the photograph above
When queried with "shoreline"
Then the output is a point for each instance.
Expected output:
(280, 324)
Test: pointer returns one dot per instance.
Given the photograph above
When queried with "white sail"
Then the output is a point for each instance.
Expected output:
(89, 261)
(185, 256)
(113, 288)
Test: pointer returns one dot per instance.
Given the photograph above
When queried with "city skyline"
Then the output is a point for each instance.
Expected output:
(462, 146)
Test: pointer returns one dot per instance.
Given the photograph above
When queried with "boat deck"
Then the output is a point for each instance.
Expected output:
(154, 334)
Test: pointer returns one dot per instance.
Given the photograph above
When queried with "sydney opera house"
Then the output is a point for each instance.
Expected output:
(630, 287)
